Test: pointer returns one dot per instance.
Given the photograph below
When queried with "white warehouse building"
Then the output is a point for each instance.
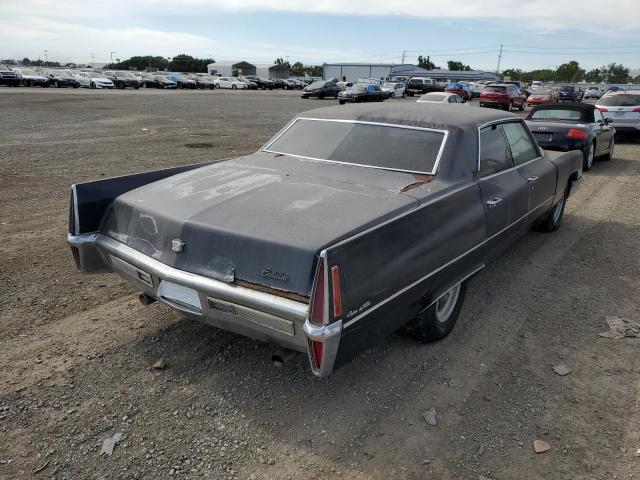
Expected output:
(350, 72)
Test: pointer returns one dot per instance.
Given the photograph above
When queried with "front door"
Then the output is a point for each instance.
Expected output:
(505, 194)
(539, 173)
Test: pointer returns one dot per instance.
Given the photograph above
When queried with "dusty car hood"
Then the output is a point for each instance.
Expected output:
(261, 219)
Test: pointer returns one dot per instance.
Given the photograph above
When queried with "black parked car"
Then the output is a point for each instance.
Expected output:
(60, 78)
(8, 76)
(573, 126)
(183, 81)
(122, 79)
(568, 93)
(153, 80)
(261, 82)
(385, 213)
(204, 81)
(321, 89)
(363, 93)
(251, 85)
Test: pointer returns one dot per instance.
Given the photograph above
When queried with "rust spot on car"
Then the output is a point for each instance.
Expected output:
(273, 291)
(421, 179)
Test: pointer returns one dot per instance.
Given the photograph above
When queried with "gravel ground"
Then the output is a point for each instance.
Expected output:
(77, 351)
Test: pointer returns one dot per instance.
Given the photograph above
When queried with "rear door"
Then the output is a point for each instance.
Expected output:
(540, 174)
(505, 194)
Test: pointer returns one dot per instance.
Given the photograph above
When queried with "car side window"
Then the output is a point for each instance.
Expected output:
(522, 147)
(495, 155)
(597, 115)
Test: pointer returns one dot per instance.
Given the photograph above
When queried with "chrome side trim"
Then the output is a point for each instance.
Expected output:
(362, 122)
(424, 277)
(515, 167)
(261, 301)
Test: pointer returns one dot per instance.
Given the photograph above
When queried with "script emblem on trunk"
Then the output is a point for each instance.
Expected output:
(177, 245)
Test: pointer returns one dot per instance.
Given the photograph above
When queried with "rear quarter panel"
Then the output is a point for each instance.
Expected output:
(391, 272)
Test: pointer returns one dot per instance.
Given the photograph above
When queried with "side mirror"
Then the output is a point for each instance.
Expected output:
(607, 120)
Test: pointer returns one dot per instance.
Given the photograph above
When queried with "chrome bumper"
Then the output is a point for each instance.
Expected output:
(242, 310)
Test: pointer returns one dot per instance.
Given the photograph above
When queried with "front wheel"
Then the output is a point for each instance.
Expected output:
(341, 102)
(233, 87)
(93, 85)
(436, 321)
(510, 107)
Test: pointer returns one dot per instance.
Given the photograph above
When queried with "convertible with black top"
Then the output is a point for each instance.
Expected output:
(347, 225)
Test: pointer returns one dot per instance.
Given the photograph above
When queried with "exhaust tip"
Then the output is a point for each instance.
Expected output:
(146, 299)
(282, 357)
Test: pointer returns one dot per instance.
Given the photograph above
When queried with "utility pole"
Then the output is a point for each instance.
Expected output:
(404, 55)
(46, 57)
(112, 56)
(499, 58)
(93, 61)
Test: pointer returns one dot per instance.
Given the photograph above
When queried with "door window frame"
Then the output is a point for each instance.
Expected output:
(498, 123)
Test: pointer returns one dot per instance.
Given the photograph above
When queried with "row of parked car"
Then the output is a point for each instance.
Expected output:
(37, 77)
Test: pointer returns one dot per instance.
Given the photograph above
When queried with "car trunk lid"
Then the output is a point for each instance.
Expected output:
(260, 219)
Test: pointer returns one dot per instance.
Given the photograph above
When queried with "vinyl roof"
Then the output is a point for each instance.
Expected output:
(413, 114)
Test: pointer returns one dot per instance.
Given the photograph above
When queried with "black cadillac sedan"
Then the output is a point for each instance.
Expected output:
(573, 126)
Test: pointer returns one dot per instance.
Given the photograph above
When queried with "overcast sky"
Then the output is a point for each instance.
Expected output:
(535, 33)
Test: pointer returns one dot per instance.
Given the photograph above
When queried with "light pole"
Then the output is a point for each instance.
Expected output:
(112, 57)
(46, 57)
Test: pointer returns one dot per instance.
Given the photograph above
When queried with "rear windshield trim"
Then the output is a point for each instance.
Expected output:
(362, 122)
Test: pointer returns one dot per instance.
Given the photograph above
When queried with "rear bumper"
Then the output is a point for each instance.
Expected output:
(625, 127)
(238, 309)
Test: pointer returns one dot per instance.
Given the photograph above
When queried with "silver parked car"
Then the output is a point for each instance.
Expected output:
(623, 108)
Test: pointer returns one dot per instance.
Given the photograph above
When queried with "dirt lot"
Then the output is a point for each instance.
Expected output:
(76, 351)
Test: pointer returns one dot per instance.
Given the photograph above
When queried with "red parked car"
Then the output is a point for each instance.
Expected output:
(459, 89)
(504, 96)
(543, 96)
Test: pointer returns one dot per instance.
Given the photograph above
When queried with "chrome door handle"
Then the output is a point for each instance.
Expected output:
(532, 180)
(494, 202)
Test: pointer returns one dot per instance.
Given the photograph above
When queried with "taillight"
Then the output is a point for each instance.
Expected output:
(316, 316)
(602, 109)
(636, 110)
(575, 134)
(335, 289)
(72, 214)
(317, 348)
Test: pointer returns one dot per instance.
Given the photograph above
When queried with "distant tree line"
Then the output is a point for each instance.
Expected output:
(572, 72)
(298, 69)
(452, 65)
(179, 63)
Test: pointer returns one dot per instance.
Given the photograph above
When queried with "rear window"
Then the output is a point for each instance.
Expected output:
(622, 100)
(556, 114)
(495, 89)
(373, 145)
(567, 89)
(432, 97)
(416, 82)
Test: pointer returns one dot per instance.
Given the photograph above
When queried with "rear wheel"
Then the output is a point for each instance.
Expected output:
(609, 154)
(436, 321)
(57, 84)
(341, 102)
(510, 107)
(321, 96)
(233, 87)
(553, 220)
(587, 157)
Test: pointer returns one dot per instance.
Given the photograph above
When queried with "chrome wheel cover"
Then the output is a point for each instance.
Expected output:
(446, 304)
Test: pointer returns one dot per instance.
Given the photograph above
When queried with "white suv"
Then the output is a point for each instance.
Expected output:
(623, 108)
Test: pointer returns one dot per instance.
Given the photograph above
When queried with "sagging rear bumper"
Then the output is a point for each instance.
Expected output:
(252, 313)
